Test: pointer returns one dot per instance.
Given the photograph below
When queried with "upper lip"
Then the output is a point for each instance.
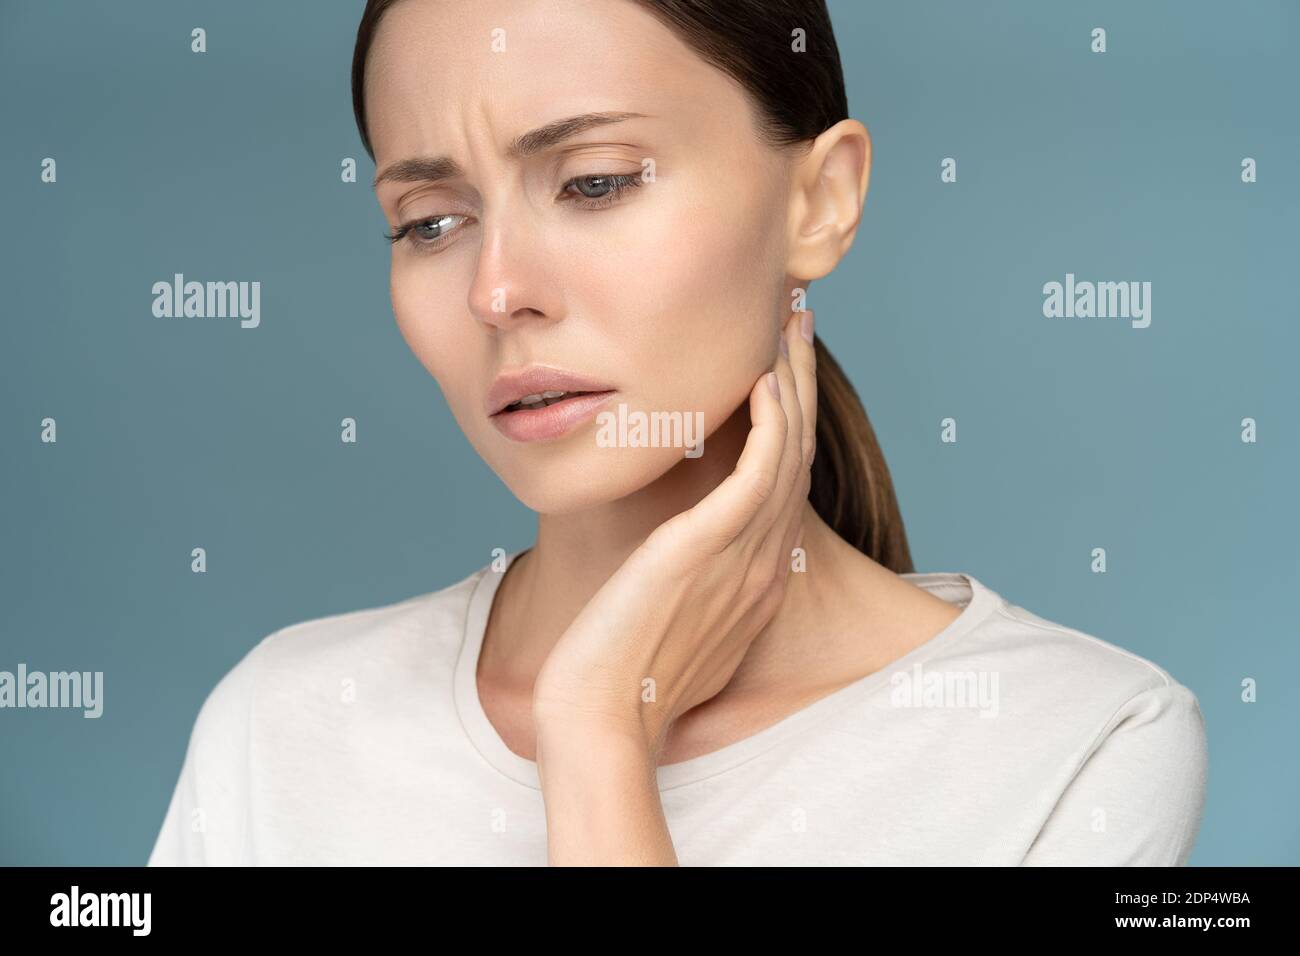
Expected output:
(510, 386)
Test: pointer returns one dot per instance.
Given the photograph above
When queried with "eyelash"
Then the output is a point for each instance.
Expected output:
(621, 184)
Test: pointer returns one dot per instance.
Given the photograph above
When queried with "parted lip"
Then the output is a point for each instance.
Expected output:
(512, 385)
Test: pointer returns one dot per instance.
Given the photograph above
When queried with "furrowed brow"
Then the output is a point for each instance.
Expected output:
(419, 169)
(549, 135)
(433, 169)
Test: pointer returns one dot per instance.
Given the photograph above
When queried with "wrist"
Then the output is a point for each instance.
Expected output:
(565, 732)
(583, 751)
(601, 792)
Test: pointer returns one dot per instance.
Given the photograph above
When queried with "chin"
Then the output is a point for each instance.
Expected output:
(558, 483)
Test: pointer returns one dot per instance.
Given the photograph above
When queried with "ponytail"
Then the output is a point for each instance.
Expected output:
(851, 487)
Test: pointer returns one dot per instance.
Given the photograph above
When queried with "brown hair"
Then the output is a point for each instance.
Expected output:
(797, 96)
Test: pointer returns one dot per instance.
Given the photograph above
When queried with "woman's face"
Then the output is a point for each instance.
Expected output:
(668, 293)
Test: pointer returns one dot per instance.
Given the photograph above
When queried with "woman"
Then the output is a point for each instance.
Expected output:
(605, 215)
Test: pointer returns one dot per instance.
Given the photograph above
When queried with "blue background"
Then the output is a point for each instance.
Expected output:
(1073, 433)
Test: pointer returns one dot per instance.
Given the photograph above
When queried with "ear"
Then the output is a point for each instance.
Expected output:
(827, 189)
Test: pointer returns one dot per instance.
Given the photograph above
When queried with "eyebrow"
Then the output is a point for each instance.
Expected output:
(436, 168)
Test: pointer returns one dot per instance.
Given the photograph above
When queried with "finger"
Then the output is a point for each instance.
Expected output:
(793, 538)
(792, 453)
(803, 359)
(725, 511)
(760, 546)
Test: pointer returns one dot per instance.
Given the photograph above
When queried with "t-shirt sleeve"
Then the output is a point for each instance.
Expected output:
(1137, 798)
(206, 821)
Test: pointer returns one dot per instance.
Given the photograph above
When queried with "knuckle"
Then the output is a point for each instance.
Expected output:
(809, 448)
(783, 423)
(755, 584)
(665, 539)
(794, 467)
(761, 488)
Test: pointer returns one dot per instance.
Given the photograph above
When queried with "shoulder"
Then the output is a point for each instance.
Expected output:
(431, 619)
(1122, 742)
(1051, 670)
(323, 654)
(281, 699)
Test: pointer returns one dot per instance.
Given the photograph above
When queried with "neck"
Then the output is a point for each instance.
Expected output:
(575, 554)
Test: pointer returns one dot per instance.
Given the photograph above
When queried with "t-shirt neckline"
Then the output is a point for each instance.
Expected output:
(976, 600)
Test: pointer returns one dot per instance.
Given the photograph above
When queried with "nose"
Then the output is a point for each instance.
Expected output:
(514, 275)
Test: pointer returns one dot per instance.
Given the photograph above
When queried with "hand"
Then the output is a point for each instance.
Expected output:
(683, 609)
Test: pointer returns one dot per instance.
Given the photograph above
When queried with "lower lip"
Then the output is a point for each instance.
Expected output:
(553, 421)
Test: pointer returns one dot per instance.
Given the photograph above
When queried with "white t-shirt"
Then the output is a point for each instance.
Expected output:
(1004, 740)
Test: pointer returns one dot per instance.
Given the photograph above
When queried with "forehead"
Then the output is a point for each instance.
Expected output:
(442, 71)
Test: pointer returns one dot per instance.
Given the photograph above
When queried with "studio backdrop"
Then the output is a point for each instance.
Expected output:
(177, 487)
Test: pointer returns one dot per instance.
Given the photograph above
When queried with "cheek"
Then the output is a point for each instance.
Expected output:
(430, 325)
(720, 283)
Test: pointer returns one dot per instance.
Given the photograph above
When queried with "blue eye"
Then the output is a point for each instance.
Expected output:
(595, 191)
(602, 187)
(422, 229)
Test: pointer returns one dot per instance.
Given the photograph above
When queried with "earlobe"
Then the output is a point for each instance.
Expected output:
(827, 189)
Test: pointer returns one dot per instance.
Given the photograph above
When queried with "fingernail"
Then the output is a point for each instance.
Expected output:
(785, 346)
(806, 326)
(773, 385)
